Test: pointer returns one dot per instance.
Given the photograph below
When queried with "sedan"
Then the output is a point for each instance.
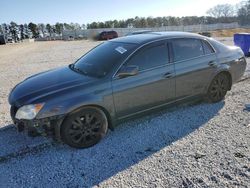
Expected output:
(123, 78)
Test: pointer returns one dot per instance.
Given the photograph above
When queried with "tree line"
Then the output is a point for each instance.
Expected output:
(32, 30)
(222, 13)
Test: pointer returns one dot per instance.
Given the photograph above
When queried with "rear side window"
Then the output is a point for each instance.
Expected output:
(207, 47)
(150, 57)
(186, 49)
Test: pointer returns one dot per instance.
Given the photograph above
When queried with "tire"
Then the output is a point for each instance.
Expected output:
(218, 88)
(84, 128)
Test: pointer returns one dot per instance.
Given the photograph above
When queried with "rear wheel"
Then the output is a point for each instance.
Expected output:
(218, 88)
(84, 128)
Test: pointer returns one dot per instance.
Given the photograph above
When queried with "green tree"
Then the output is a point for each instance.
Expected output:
(14, 30)
(116, 24)
(59, 28)
(26, 31)
(1, 29)
(75, 26)
(151, 22)
(33, 28)
(67, 26)
(22, 32)
(49, 29)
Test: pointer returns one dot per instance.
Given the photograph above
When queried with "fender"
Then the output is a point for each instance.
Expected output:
(63, 107)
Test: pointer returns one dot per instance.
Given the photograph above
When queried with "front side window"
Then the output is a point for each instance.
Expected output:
(100, 60)
(187, 48)
(149, 57)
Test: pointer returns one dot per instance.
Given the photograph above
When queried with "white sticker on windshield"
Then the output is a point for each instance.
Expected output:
(121, 50)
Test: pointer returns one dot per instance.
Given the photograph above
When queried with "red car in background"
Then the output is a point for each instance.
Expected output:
(106, 35)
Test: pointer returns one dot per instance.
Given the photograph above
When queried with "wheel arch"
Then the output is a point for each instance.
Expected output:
(225, 72)
(104, 110)
(108, 116)
(222, 71)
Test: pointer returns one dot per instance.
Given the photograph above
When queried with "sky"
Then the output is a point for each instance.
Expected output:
(87, 11)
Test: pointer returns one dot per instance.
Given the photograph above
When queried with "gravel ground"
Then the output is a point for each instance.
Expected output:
(202, 145)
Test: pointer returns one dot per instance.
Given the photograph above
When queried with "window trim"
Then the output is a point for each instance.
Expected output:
(206, 42)
(140, 47)
(153, 68)
(215, 51)
(149, 47)
(200, 39)
(170, 48)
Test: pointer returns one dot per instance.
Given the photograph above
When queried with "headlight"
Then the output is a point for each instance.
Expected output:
(28, 111)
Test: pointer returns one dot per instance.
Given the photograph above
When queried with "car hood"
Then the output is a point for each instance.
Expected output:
(45, 84)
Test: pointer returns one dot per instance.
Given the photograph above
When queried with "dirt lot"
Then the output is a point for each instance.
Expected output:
(203, 145)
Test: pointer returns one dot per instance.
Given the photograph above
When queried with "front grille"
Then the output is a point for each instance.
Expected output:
(13, 110)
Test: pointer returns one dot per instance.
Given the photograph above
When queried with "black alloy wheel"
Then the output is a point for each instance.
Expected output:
(218, 88)
(84, 128)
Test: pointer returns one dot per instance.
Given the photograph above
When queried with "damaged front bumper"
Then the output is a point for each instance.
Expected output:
(39, 127)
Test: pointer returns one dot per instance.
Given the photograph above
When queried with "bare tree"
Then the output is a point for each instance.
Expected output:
(222, 10)
(244, 13)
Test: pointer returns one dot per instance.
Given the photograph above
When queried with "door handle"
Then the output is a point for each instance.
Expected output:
(212, 64)
(168, 75)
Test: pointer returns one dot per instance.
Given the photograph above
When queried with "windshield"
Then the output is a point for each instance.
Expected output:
(100, 60)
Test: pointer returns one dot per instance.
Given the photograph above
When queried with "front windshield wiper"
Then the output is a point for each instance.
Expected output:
(72, 67)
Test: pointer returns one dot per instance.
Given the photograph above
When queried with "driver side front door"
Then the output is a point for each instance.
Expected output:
(153, 86)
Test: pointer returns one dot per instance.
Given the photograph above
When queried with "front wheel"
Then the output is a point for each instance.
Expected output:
(218, 88)
(84, 128)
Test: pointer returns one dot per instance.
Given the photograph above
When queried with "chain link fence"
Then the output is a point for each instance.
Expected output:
(89, 33)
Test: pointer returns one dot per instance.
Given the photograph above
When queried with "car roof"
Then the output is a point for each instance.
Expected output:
(142, 31)
(107, 31)
(152, 36)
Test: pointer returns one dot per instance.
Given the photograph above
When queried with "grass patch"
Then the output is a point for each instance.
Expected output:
(229, 32)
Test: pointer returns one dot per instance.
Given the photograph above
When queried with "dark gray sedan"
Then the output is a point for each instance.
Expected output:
(120, 79)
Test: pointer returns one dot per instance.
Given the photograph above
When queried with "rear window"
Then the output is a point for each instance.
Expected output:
(186, 48)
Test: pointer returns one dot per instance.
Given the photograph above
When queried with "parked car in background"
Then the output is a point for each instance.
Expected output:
(2, 39)
(138, 32)
(123, 78)
(107, 35)
(207, 34)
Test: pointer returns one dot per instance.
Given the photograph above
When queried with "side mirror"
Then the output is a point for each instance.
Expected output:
(128, 71)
